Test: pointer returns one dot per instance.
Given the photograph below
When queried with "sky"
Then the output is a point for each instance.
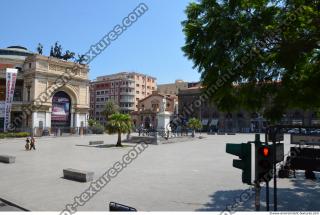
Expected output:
(152, 45)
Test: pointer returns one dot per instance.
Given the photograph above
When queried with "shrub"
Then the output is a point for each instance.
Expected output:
(97, 128)
(14, 134)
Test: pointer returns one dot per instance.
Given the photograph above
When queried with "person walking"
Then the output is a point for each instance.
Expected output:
(27, 146)
(32, 144)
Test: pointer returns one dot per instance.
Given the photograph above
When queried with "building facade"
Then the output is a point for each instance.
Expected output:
(240, 121)
(146, 115)
(50, 93)
(125, 89)
(172, 88)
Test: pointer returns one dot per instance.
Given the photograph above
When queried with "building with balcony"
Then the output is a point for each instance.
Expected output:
(125, 89)
(49, 93)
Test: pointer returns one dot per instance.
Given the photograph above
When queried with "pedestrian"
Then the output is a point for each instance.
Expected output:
(32, 144)
(27, 146)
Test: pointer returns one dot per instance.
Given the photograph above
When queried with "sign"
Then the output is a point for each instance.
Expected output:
(275, 135)
(279, 152)
(60, 108)
(11, 77)
(305, 139)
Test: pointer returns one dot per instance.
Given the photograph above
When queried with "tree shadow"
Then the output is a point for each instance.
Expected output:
(303, 196)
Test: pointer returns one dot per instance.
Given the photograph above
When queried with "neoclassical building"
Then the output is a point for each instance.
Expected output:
(50, 93)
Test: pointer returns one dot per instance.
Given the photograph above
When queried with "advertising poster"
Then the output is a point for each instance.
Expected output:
(60, 109)
(11, 77)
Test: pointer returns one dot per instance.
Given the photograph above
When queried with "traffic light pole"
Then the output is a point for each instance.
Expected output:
(257, 197)
(275, 203)
(267, 182)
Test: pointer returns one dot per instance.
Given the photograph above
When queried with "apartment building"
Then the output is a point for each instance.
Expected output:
(124, 89)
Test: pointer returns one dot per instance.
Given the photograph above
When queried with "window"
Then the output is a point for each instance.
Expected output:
(137, 85)
(98, 93)
(137, 92)
(137, 99)
(28, 94)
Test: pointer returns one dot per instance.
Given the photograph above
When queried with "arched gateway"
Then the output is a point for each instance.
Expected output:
(61, 110)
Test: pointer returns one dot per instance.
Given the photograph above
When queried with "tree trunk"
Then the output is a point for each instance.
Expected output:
(119, 139)
(193, 132)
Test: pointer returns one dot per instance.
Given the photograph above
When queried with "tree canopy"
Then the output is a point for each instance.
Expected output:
(119, 123)
(263, 54)
(110, 108)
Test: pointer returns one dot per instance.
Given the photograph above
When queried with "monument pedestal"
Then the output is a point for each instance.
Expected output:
(163, 119)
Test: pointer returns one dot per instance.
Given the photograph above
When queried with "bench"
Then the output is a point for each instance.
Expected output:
(96, 142)
(7, 159)
(78, 175)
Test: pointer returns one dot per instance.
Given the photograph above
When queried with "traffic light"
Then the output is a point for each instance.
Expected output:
(263, 164)
(243, 151)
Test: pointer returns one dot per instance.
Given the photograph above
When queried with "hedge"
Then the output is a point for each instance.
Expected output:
(14, 135)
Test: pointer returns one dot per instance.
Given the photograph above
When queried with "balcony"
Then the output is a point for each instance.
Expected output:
(127, 100)
(127, 93)
(127, 108)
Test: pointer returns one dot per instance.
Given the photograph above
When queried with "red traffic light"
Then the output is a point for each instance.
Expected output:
(265, 151)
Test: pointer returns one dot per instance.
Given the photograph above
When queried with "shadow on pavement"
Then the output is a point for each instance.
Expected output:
(304, 196)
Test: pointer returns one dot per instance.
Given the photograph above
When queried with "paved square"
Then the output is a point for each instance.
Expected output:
(187, 176)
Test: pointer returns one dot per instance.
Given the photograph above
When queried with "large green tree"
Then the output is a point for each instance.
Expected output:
(261, 55)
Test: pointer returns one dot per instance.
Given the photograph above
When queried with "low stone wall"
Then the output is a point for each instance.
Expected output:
(7, 159)
(78, 175)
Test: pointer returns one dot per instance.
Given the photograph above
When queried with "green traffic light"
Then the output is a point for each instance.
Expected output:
(243, 151)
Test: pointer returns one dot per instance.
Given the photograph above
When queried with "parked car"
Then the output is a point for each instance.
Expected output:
(297, 131)
(315, 131)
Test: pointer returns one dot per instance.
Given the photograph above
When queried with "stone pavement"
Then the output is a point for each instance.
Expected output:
(187, 176)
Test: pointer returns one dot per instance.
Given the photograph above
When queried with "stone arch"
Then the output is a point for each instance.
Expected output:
(71, 92)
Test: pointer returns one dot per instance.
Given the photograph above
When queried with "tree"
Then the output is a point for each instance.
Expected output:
(110, 108)
(119, 123)
(261, 55)
(40, 48)
(194, 124)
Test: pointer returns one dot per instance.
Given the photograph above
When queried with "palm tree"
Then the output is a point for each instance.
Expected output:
(110, 108)
(119, 123)
(194, 124)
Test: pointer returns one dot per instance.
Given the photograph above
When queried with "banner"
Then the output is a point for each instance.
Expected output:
(11, 77)
(60, 108)
(2, 108)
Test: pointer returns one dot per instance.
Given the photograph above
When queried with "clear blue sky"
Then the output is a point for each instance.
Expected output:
(152, 45)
